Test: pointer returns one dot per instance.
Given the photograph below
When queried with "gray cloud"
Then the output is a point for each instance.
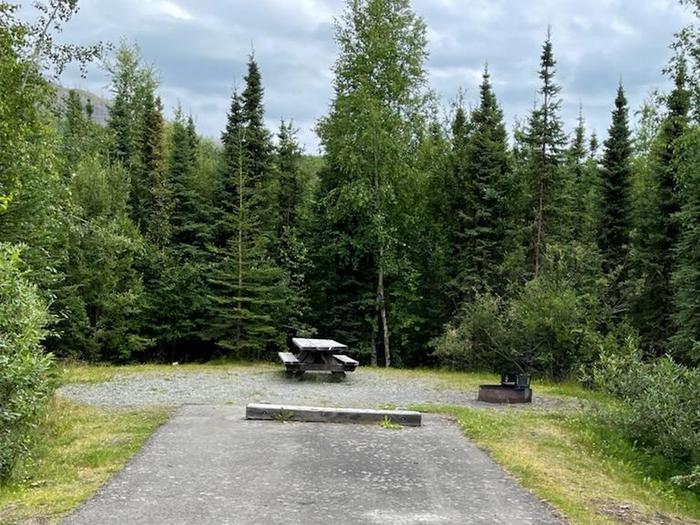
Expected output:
(200, 48)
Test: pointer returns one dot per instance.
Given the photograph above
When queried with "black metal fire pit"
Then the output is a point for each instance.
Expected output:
(514, 388)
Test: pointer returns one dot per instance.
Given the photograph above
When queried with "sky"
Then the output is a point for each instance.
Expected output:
(200, 48)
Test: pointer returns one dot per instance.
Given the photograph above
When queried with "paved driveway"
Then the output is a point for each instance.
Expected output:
(210, 466)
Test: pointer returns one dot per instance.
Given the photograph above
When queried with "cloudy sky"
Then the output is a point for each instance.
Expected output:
(199, 48)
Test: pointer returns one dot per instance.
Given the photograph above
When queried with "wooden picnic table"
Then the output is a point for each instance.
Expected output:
(318, 355)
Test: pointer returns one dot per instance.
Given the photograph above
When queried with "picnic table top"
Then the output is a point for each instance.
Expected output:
(317, 345)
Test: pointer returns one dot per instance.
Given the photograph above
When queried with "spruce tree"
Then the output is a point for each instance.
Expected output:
(483, 220)
(127, 75)
(451, 195)
(616, 176)
(73, 133)
(249, 291)
(656, 230)
(133, 86)
(291, 250)
(257, 145)
(583, 187)
(291, 189)
(158, 202)
(191, 219)
(685, 343)
(544, 138)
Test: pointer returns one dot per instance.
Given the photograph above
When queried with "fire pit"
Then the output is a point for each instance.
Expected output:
(514, 388)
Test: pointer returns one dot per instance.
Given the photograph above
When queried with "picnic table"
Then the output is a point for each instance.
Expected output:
(317, 355)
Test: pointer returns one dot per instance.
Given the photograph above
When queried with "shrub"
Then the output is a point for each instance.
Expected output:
(476, 339)
(661, 409)
(24, 383)
(548, 327)
(552, 331)
(545, 330)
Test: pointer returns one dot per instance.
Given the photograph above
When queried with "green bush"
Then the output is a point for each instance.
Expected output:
(24, 367)
(661, 410)
(549, 327)
(552, 331)
(545, 330)
(476, 339)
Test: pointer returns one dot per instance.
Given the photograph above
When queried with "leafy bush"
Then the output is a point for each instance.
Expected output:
(549, 327)
(552, 331)
(24, 367)
(689, 481)
(544, 330)
(476, 339)
(661, 409)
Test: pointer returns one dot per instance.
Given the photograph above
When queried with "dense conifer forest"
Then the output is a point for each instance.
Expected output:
(415, 239)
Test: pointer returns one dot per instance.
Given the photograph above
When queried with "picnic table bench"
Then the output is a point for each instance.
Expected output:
(317, 355)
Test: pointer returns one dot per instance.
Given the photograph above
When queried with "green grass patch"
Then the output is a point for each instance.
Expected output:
(582, 466)
(78, 450)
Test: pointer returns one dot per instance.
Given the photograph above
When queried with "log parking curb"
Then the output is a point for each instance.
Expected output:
(265, 412)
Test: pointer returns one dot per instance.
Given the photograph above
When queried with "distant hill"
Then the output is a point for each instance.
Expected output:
(100, 105)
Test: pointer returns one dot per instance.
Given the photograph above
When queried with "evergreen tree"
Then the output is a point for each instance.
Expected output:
(290, 196)
(451, 193)
(249, 291)
(258, 150)
(584, 188)
(616, 175)
(656, 230)
(435, 259)
(191, 219)
(685, 343)
(292, 252)
(159, 204)
(133, 86)
(484, 225)
(73, 133)
(544, 139)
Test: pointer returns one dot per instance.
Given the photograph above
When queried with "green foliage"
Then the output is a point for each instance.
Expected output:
(685, 342)
(656, 228)
(583, 189)
(477, 338)
(548, 328)
(24, 367)
(616, 175)
(544, 141)
(191, 219)
(368, 189)
(250, 298)
(689, 481)
(133, 121)
(661, 409)
(484, 219)
(103, 313)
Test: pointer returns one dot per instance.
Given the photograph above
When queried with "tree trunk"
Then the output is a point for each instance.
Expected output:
(540, 228)
(373, 357)
(381, 303)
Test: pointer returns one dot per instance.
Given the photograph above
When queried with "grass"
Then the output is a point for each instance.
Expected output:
(580, 465)
(79, 449)
(388, 424)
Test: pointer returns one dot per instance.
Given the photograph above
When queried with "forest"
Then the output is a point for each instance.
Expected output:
(416, 239)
